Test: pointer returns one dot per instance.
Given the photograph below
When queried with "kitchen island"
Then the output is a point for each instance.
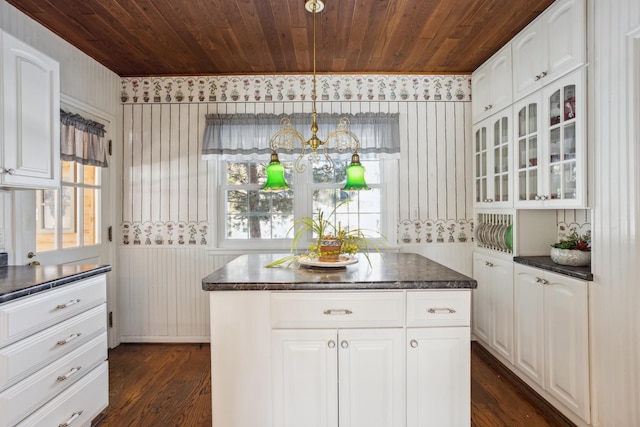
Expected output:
(384, 343)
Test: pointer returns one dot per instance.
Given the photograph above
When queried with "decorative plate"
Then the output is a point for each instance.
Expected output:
(314, 262)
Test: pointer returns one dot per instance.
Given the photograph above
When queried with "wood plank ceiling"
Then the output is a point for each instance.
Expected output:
(206, 37)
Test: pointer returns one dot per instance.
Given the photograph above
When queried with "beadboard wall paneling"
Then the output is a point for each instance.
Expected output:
(161, 296)
(457, 257)
(614, 104)
(164, 185)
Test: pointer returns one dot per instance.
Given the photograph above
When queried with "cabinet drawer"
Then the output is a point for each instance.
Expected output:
(20, 359)
(77, 405)
(20, 400)
(438, 308)
(23, 317)
(337, 309)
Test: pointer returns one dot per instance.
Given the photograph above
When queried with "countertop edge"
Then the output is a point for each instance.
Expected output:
(545, 263)
(51, 284)
(315, 286)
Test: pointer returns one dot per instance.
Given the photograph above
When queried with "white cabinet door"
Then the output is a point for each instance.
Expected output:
(438, 377)
(493, 303)
(30, 117)
(492, 163)
(371, 378)
(550, 150)
(305, 376)
(567, 352)
(360, 371)
(491, 85)
(551, 46)
(529, 322)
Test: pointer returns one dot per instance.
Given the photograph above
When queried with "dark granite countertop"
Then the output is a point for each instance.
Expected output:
(388, 271)
(20, 281)
(545, 263)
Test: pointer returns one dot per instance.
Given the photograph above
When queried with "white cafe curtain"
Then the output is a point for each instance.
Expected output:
(242, 137)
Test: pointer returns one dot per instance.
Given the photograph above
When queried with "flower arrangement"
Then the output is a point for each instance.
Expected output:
(575, 241)
(331, 242)
(574, 250)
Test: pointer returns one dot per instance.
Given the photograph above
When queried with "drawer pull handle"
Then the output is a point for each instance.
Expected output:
(69, 374)
(443, 310)
(70, 338)
(70, 420)
(70, 303)
(341, 311)
(413, 343)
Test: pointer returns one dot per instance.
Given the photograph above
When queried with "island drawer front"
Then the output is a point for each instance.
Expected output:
(28, 315)
(337, 309)
(21, 399)
(77, 405)
(438, 308)
(20, 359)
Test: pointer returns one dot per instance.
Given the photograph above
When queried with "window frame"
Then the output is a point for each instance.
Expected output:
(302, 206)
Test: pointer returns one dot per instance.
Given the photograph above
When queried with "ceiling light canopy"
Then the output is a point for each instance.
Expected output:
(286, 137)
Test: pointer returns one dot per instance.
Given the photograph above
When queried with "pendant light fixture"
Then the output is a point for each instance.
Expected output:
(286, 137)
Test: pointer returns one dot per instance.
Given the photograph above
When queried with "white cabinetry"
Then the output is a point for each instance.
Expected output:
(493, 303)
(551, 331)
(550, 153)
(30, 117)
(492, 174)
(491, 85)
(549, 47)
(54, 344)
(343, 358)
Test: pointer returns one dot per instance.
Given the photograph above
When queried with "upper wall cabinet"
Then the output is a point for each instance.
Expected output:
(550, 151)
(30, 118)
(491, 85)
(492, 140)
(551, 46)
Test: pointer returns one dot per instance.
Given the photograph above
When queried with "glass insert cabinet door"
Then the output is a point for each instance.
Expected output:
(561, 169)
(528, 151)
(492, 163)
(481, 181)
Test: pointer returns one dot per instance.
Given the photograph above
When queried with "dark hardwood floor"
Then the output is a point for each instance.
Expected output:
(169, 385)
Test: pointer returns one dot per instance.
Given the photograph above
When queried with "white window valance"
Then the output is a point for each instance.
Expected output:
(242, 137)
(82, 140)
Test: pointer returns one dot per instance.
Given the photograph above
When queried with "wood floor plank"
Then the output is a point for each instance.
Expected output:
(170, 385)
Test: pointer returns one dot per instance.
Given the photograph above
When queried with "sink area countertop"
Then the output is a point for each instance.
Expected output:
(388, 271)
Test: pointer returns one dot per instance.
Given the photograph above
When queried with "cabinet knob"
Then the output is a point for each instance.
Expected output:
(543, 197)
(488, 264)
(344, 344)
(331, 344)
(413, 343)
(10, 171)
(543, 74)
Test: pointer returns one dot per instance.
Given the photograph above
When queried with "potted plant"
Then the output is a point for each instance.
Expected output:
(574, 250)
(332, 243)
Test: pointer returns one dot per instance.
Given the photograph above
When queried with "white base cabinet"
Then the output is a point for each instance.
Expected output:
(341, 358)
(493, 303)
(53, 355)
(551, 331)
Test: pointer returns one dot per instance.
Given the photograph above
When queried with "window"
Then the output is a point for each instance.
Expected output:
(74, 209)
(258, 219)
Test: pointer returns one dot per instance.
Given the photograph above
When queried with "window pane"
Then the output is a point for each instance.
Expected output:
(253, 214)
(91, 209)
(68, 171)
(237, 173)
(91, 175)
(69, 234)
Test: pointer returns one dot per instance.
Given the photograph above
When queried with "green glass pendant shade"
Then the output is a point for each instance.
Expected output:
(355, 176)
(275, 176)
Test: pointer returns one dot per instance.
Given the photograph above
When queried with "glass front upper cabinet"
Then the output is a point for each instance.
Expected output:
(550, 155)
